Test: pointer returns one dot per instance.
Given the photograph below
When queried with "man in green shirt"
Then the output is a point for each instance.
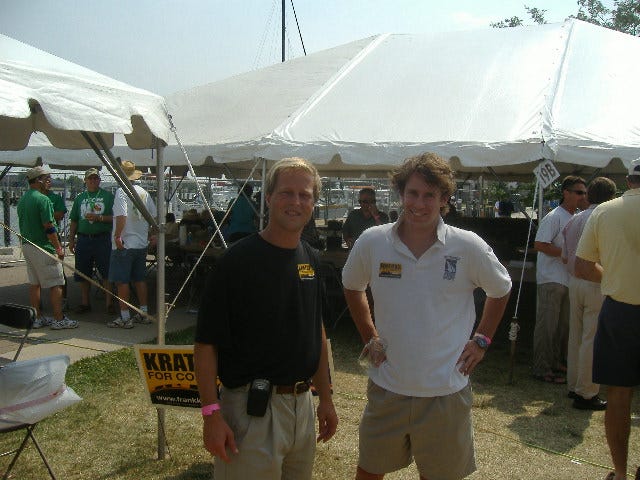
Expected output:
(91, 217)
(39, 237)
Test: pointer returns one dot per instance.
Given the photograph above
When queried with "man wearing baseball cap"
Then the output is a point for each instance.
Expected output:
(39, 237)
(91, 217)
(608, 253)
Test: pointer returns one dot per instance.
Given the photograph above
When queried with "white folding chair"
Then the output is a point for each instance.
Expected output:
(30, 390)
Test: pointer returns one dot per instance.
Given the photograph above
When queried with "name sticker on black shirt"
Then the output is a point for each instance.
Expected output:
(306, 271)
(390, 270)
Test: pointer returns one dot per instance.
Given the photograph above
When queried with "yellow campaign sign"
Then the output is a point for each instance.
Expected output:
(169, 376)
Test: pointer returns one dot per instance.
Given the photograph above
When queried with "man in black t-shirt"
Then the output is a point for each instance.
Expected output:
(261, 318)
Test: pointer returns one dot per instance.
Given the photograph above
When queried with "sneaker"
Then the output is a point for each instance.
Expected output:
(66, 322)
(141, 319)
(120, 323)
(593, 403)
(42, 321)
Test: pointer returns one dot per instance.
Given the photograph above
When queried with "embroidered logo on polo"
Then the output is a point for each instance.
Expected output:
(450, 267)
(306, 271)
(390, 270)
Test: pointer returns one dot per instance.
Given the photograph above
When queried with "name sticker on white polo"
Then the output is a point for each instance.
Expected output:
(450, 267)
(390, 270)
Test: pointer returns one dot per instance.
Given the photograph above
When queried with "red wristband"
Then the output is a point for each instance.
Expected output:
(208, 410)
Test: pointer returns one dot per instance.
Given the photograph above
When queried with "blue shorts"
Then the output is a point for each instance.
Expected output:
(92, 250)
(128, 265)
(616, 348)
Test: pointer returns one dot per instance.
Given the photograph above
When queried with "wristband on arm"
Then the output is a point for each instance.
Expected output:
(50, 230)
(207, 410)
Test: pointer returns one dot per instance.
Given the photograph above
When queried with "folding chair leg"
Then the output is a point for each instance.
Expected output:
(18, 451)
(44, 459)
(16, 454)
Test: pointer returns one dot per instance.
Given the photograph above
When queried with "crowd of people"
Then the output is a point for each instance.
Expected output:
(107, 233)
(262, 334)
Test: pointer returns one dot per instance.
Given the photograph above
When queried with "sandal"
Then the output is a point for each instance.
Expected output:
(551, 377)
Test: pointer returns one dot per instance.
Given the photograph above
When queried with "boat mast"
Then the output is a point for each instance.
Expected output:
(283, 27)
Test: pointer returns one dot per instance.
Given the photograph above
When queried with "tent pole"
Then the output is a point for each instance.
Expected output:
(262, 194)
(125, 182)
(160, 301)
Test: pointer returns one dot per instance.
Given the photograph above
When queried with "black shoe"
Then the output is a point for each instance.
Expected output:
(573, 395)
(593, 403)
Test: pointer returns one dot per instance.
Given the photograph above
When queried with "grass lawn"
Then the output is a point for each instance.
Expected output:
(523, 430)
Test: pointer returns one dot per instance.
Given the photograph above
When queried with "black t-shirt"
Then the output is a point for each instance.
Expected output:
(262, 309)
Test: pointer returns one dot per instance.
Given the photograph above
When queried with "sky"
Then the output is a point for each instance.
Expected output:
(170, 45)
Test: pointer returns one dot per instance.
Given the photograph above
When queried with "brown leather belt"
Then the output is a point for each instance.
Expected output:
(297, 388)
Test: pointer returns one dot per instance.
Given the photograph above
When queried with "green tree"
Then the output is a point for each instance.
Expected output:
(536, 14)
(623, 17)
(75, 182)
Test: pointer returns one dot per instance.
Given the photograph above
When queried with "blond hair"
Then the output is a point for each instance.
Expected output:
(293, 163)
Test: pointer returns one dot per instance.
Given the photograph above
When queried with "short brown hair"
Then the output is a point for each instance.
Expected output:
(570, 180)
(293, 163)
(601, 189)
(432, 168)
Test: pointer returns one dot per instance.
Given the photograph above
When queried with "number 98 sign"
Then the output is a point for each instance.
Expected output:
(546, 173)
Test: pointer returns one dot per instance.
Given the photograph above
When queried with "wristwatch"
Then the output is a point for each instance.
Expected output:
(482, 340)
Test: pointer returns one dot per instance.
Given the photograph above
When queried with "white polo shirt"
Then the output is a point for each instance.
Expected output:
(551, 269)
(424, 307)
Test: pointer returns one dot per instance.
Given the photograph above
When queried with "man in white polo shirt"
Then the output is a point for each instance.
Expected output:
(422, 347)
(608, 253)
(551, 333)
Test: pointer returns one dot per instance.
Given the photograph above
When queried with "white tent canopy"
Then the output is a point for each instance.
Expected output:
(498, 99)
(44, 93)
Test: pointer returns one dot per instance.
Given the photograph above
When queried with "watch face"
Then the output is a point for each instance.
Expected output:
(481, 342)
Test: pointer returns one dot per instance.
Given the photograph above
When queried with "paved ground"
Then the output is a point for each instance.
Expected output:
(92, 337)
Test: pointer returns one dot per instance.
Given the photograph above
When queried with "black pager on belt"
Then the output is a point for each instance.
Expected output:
(258, 399)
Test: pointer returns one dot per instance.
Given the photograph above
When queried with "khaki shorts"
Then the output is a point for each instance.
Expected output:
(435, 431)
(42, 269)
(279, 446)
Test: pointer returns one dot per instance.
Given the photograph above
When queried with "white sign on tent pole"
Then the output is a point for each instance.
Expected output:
(546, 173)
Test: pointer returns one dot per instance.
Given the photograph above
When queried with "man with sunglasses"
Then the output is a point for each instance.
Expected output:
(39, 236)
(551, 333)
(366, 217)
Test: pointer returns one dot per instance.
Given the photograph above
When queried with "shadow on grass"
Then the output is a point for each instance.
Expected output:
(197, 471)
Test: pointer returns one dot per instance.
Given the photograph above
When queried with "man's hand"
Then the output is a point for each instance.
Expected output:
(374, 352)
(119, 242)
(327, 421)
(470, 357)
(218, 437)
(72, 245)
